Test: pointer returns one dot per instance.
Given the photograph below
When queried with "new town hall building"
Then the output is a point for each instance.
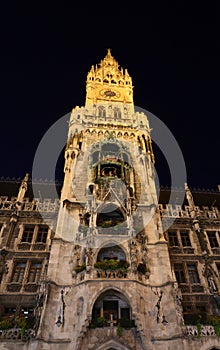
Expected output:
(110, 264)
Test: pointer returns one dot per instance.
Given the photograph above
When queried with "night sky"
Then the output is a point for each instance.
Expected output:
(171, 53)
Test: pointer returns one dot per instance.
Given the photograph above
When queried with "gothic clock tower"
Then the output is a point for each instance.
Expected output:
(109, 283)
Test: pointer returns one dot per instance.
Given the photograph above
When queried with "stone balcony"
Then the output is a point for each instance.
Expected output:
(96, 274)
(16, 334)
(205, 331)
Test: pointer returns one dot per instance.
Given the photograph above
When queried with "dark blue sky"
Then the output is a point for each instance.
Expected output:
(172, 54)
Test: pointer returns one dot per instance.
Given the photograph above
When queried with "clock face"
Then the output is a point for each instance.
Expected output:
(110, 93)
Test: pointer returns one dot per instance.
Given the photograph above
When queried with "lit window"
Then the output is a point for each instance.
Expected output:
(27, 311)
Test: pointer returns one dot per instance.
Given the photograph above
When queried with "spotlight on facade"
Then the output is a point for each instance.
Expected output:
(59, 322)
(164, 321)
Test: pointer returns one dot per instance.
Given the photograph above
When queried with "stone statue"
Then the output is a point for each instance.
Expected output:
(133, 255)
(75, 261)
(89, 256)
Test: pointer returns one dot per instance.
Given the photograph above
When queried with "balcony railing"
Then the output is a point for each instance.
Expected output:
(206, 330)
(111, 274)
(17, 333)
(93, 274)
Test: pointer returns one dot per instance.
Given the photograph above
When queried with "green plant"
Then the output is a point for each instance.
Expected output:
(112, 265)
(100, 321)
(199, 328)
(84, 228)
(105, 224)
(215, 322)
(126, 323)
(217, 329)
(119, 330)
(80, 268)
(21, 323)
(6, 323)
(23, 329)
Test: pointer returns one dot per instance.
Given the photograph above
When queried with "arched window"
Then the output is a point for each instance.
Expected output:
(117, 113)
(111, 251)
(111, 306)
(110, 216)
(102, 112)
(79, 307)
(95, 157)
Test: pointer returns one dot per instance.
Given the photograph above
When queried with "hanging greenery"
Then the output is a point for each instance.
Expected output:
(112, 265)
(80, 268)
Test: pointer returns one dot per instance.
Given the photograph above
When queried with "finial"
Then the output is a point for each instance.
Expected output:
(109, 52)
(22, 189)
(189, 196)
(26, 177)
(186, 186)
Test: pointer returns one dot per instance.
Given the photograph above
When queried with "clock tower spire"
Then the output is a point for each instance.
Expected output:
(108, 82)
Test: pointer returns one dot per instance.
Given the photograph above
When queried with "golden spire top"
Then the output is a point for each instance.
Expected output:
(107, 82)
(109, 55)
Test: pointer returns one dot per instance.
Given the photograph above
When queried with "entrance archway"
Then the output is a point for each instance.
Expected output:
(111, 307)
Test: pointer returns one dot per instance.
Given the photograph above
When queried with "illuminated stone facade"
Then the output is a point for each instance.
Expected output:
(115, 267)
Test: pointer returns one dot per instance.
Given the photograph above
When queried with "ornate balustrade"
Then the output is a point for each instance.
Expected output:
(17, 333)
(206, 330)
(47, 205)
(179, 211)
(111, 274)
(93, 274)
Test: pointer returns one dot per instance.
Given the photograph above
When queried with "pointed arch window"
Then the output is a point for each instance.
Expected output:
(102, 111)
(117, 113)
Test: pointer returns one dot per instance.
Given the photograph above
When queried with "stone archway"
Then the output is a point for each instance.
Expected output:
(112, 345)
(211, 344)
(111, 306)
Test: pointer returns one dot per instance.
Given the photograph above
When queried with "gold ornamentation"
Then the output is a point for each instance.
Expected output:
(108, 81)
